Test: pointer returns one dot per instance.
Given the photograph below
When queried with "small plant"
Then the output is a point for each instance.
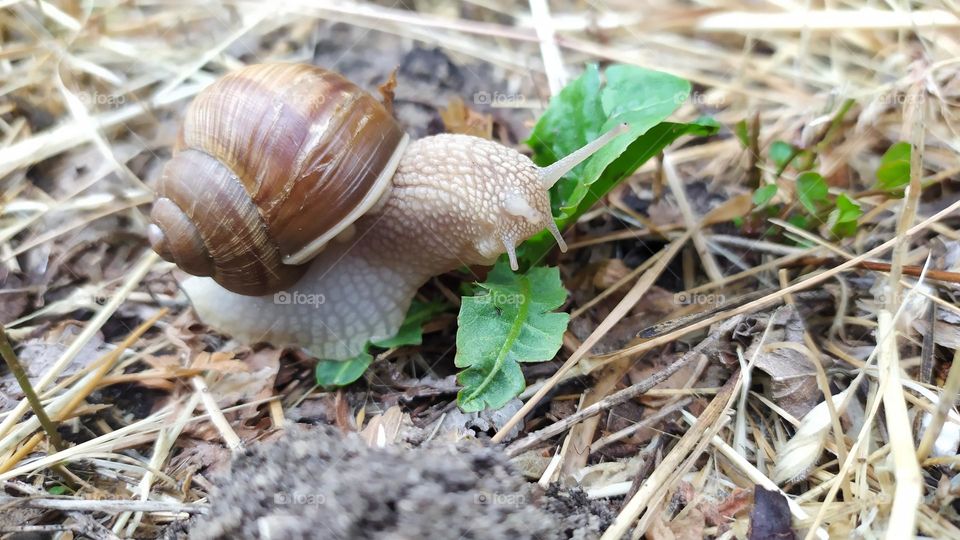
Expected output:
(839, 212)
(810, 204)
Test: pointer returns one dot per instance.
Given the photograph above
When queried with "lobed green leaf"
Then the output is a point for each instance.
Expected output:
(510, 321)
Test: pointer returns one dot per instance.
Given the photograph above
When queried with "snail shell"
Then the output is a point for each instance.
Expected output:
(272, 162)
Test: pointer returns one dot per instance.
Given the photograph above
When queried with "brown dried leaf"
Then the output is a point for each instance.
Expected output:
(39, 355)
(609, 272)
(383, 429)
(735, 503)
(663, 213)
(458, 118)
(792, 373)
(734, 207)
(946, 329)
(690, 527)
(387, 91)
(235, 381)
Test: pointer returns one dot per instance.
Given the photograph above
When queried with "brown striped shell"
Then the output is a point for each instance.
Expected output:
(273, 161)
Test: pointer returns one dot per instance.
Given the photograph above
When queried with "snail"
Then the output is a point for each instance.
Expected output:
(307, 217)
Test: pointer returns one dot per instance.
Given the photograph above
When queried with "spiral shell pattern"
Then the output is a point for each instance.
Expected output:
(272, 161)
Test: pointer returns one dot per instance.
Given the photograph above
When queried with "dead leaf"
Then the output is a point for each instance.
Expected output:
(659, 530)
(458, 424)
(946, 329)
(690, 527)
(793, 382)
(458, 118)
(387, 91)
(532, 463)
(39, 355)
(770, 518)
(609, 272)
(234, 381)
(733, 207)
(734, 504)
(383, 429)
(663, 213)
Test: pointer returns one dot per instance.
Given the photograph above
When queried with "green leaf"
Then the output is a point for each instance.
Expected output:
(510, 322)
(847, 209)
(646, 146)
(811, 189)
(411, 331)
(782, 153)
(764, 194)
(743, 133)
(581, 112)
(843, 218)
(894, 170)
(799, 221)
(336, 373)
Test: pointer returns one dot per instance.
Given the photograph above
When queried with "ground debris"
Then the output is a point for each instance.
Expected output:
(317, 481)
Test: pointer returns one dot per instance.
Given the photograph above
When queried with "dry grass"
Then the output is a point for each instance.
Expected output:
(88, 109)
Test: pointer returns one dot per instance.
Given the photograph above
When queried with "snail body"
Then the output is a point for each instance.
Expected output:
(309, 219)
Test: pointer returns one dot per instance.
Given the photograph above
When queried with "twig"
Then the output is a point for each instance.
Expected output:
(233, 442)
(549, 51)
(754, 174)
(602, 405)
(691, 221)
(827, 20)
(907, 270)
(108, 506)
(161, 449)
(653, 420)
(909, 482)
